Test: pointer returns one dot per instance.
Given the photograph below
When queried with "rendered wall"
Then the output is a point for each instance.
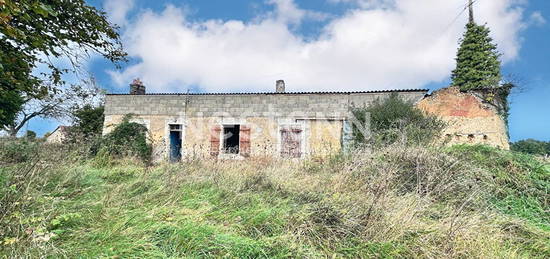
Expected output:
(324, 137)
(321, 137)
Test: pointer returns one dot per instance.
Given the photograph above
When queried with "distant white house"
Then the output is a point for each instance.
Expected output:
(58, 135)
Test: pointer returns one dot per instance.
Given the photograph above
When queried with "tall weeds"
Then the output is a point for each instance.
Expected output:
(397, 201)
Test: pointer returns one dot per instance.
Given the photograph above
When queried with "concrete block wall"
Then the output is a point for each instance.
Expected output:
(253, 105)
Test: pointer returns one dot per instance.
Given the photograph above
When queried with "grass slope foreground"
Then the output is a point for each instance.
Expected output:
(396, 202)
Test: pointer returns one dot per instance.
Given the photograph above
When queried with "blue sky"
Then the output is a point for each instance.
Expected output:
(242, 45)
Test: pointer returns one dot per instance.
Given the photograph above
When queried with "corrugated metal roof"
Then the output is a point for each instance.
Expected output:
(287, 93)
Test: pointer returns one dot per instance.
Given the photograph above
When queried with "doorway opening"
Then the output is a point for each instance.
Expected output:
(231, 139)
(175, 143)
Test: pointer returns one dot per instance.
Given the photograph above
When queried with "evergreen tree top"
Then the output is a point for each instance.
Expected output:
(477, 61)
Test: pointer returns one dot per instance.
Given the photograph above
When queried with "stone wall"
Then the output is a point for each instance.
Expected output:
(470, 119)
(58, 135)
(320, 115)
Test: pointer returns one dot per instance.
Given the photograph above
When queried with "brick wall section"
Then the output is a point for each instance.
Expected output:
(470, 119)
(253, 105)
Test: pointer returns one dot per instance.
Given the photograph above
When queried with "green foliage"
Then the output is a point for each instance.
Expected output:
(128, 139)
(477, 62)
(10, 103)
(16, 150)
(33, 32)
(88, 122)
(65, 220)
(531, 146)
(30, 135)
(520, 182)
(394, 120)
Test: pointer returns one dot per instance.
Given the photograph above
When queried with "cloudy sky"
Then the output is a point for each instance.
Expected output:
(317, 45)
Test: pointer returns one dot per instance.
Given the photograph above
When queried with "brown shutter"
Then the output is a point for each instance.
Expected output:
(291, 142)
(215, 140)
(244, 141)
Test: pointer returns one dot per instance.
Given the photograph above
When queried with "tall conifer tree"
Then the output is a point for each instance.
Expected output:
(477, 61)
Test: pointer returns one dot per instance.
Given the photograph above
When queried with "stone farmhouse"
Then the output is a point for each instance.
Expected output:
(283, 124)
(58, 135)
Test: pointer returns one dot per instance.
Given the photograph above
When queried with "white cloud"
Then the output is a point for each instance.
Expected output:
(286, 11)
(117, 10)
(537, 19)
(406, 45)
(368, 3)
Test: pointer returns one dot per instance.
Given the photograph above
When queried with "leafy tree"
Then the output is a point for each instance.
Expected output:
(50, 106)
(35, 31)
(532, 146)
(58, 104)
(88, 122)
(30, 135)
(477, 61)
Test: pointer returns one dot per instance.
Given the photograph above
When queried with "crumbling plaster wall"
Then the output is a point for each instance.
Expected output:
(470, 120)
(320, 115)
(156, 128)
(321, 137)
(324, 137)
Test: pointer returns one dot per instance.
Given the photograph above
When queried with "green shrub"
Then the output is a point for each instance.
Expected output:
(128, 139)
(17, 150)
(30, 135)
(395, 120)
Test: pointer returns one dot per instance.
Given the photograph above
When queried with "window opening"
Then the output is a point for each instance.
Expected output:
(231, 138)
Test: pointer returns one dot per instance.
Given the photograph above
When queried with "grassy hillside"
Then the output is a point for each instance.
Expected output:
(465, 201)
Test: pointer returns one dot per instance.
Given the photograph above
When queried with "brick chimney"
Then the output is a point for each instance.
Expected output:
(137, 87)
(280, 86)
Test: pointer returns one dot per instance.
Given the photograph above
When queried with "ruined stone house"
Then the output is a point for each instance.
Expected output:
(281, 124)
(471, 118)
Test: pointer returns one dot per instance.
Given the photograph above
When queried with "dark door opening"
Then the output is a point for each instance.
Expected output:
(175, 144)
(231, 139)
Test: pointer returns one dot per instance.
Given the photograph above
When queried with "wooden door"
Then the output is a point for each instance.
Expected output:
(291, 143)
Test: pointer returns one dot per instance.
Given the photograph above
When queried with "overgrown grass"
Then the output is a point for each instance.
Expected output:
(397, 202)
(521, 182)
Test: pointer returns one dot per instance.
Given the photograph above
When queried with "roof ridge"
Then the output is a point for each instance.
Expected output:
(285, 93)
